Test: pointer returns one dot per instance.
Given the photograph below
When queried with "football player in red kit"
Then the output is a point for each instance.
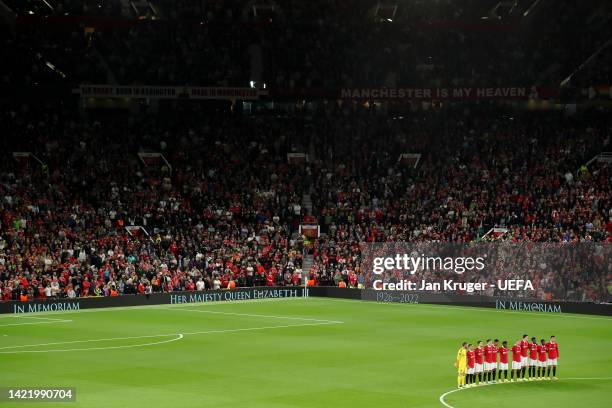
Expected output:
(516, 361)
(488, 361)
(494, 359)
(470, 379)
(533, 359)
(553, 354)
(524, 355)
(479, 351)
(503, 361)
(542, 359)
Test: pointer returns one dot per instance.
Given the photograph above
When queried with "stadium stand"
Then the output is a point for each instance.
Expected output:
(82, 214)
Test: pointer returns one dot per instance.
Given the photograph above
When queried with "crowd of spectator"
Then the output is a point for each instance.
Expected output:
(226, 207)
(227, 210)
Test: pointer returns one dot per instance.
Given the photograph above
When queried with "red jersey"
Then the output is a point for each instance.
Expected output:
(488, 353)
(471, 359)
(503, 355)
(553, 350)
(479, 354)
(524, 348)
(516, 353)
(542, 352)
(533, 351)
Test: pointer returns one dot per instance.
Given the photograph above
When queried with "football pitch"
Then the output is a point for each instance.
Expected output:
(308, 352)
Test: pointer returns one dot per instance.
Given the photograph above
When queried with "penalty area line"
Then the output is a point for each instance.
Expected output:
(447, 405)
(177, 336)
(45, 320)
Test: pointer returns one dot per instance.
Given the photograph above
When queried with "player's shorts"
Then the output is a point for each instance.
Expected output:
(533, 362)
(542, 364)
(470, 370)
(487, 366)
(551, 362)
(516, 365)
(503, 366)
(524, 361)
(478, 368)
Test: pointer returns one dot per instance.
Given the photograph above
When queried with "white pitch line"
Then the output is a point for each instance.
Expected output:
(21, 316)
(88, 341)
(179, 337)
(47, 320)
(36, 317)
(254, 315)
(443, 396)
(35, 323)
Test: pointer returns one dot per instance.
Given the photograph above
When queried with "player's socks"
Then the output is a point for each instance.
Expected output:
(548, 375)
(494, 374)
(554, 371)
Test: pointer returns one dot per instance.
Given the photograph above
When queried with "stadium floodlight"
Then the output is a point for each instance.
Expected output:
(531, 8)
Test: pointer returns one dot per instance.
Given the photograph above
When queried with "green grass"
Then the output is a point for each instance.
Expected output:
(381, 355)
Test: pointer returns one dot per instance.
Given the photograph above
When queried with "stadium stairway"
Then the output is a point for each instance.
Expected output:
(307, 203)
(307, 262)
